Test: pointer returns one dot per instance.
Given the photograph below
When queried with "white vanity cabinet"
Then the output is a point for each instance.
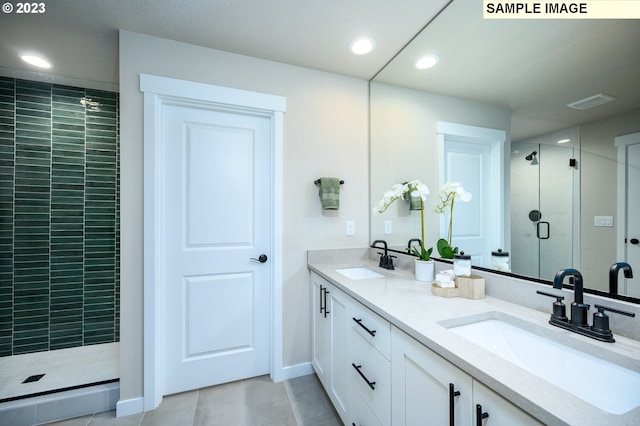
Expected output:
(428, 389)
(377, 375)
(370, 367)
(330, 330)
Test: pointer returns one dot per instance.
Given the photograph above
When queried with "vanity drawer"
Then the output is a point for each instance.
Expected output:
(373, 328)
(361, 414)
(371, 377)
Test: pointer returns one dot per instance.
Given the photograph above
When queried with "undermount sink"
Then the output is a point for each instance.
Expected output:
(359, 273)
(600, 382)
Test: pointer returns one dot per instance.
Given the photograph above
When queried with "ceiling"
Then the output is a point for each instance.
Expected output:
(532, 67)
(81, 36)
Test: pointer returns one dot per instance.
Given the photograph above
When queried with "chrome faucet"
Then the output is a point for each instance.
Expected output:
(613, 275)
(578, 308)
(578, 322)
(386, 260)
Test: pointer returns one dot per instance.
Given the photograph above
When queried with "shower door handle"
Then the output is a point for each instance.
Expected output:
(538, 228)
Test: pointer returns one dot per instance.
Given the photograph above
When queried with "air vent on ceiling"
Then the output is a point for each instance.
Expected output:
(591, 101)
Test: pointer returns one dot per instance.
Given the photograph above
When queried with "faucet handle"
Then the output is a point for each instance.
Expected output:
(601, 319)
(601, 309)
(559, 308)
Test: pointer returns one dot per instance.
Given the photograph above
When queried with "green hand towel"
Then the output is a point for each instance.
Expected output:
(330, 193)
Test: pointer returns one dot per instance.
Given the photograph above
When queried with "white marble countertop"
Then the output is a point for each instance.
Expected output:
(409, 305)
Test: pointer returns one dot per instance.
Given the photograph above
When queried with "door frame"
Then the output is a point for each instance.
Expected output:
(496, 140)
(160, 91)
(621, 143)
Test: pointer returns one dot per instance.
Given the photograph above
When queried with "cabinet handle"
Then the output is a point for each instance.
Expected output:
(325, 302)
(358, 367)
(321, 293)
(359, 321)
(480, 415)
(452, 394)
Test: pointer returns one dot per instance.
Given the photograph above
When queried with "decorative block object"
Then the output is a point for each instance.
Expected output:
(471, 287)
(445, 291)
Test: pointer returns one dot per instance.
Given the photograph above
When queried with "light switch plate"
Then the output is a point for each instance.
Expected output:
(387, 227)
(351, 228)
(603, 221)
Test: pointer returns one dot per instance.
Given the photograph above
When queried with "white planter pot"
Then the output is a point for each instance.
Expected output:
(425, 270)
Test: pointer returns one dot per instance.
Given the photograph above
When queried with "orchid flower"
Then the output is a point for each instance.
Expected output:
(415, 188)
(447, 196)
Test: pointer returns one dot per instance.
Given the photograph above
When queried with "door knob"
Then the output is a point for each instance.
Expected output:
(262, 258)
(634, 241)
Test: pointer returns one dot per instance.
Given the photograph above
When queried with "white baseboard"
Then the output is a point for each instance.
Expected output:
(293, 371)
(128, 407)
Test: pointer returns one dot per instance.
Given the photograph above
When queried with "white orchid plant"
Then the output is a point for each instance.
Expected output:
(449, 193)
(416, 189)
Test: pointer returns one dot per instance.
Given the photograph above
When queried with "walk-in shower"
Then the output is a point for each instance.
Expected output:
(59, 237)
(544, 203)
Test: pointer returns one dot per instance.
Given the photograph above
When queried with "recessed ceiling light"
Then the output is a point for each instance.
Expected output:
(362, 45)
(426, 62)
(564, 140)
(35, 60)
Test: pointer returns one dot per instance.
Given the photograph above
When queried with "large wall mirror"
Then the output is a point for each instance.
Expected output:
(567, 199)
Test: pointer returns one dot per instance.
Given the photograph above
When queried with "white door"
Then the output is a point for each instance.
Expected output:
(631, 287)
(468, 164)
(473, 157)
(217, 215)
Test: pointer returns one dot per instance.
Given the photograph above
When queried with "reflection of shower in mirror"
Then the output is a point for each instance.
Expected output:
(532, 157)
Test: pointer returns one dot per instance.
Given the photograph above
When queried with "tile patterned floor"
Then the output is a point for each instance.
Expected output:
(252, 402)
(62, 368)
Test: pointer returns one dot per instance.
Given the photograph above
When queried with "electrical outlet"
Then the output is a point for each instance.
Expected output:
(387, 227)
(603, 221)
(351, 228)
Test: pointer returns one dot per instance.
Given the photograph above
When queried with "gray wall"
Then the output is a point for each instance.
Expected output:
(325, 134)
(598, 194)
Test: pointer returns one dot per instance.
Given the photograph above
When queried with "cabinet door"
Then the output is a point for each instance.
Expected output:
(338, 389)
(320, 329)
(425, 386)
(501, 412)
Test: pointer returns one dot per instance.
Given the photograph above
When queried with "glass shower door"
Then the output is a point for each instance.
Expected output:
(542, 208)
(555, 228)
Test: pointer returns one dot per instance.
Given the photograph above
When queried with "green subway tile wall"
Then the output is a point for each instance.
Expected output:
(59, 217)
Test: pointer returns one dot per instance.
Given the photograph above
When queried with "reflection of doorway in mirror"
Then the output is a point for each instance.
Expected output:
(628, 206)
(473, 156)
(543, 206)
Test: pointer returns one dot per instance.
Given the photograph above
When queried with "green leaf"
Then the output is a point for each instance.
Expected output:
(445, 250)
(424, 254)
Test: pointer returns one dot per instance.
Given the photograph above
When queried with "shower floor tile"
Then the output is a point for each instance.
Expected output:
(62, 368)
